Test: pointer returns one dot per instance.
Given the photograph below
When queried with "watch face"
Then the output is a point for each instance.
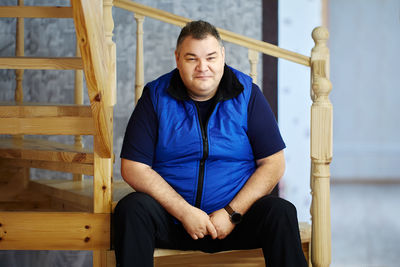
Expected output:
(236, 218)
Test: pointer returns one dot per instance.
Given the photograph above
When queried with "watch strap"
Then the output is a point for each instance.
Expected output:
(229, 209)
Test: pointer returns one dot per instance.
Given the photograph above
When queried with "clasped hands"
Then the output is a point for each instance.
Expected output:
(198, 224)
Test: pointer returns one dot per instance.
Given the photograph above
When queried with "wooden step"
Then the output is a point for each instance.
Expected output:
(35, 12)
(41, 63)
(39, 119)
(30, 110)
(43, 150)
(78, 193)
(76, 168)
(47, 126)
(24, 201)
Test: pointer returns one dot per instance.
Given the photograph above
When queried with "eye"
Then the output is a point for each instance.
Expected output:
(211, 58)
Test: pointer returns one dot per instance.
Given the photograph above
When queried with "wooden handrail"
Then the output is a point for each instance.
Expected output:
(251, 43)
(35, 12)
(41, 63)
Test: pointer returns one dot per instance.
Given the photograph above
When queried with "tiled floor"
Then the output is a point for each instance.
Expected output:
(365, 232)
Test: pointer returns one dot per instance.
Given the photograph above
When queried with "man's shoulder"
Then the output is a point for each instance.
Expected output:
(243, 78)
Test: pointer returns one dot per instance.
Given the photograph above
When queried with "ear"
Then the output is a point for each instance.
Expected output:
(223, 54)
(177, 57)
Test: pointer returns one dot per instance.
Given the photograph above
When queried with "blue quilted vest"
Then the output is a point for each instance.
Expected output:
(206, 166)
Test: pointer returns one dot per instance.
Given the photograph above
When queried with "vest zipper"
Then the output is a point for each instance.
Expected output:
(204, 137)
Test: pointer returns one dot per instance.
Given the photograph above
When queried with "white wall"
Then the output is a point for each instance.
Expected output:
(296, 22)
(365, 73)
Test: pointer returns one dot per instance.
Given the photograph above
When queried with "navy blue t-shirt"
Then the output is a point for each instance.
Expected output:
(142, 131)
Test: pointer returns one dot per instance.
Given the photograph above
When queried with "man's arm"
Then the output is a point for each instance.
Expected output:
(143, 178)
(268, 173)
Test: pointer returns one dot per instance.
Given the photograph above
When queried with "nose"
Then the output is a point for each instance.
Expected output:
(202, 65)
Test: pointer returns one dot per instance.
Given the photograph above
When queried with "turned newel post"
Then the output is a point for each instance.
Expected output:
(321, 150)
(139, 81)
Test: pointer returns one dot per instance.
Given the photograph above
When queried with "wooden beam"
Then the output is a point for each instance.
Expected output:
(35, 12)
(93, 46)
(47, 126)
(50, 63)
(79, 168)
(54, 231)
(29, 110)
(39, 149)
(102, 186)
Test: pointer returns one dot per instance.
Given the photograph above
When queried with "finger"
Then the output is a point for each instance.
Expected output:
(211, 230)
(200, 235)
(194, 236)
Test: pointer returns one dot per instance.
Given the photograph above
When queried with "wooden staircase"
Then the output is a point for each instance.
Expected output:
(60, 214)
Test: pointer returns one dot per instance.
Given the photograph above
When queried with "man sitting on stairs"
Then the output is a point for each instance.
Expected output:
(203, 151)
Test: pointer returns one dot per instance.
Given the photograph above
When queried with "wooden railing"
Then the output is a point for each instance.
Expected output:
(255, 46)
(90, 229)
(321, 110)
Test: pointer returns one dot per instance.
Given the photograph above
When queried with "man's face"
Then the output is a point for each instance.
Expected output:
(201, 66)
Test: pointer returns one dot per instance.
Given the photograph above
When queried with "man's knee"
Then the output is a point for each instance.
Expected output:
(279, 207)
(134, 203)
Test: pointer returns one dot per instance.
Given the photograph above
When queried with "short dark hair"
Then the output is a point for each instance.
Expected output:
(199, 30)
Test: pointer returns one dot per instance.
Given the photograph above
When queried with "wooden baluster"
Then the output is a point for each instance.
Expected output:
(139, 83)
(19, 52)
(78, 95)
(19, 74)
(321, 150)
(253, 58)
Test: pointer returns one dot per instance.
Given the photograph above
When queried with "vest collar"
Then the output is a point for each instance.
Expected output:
(229, 86)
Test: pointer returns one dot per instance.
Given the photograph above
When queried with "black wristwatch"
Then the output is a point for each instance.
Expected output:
(235, 217)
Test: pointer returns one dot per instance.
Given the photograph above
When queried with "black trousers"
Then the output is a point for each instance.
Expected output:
(142, 224)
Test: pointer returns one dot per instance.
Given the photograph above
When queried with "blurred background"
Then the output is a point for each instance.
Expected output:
(364, 44)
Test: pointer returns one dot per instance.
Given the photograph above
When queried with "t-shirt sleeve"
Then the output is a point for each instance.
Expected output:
(141, 133)
(262, 128)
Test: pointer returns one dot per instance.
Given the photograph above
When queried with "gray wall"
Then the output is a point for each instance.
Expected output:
(365, 56)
